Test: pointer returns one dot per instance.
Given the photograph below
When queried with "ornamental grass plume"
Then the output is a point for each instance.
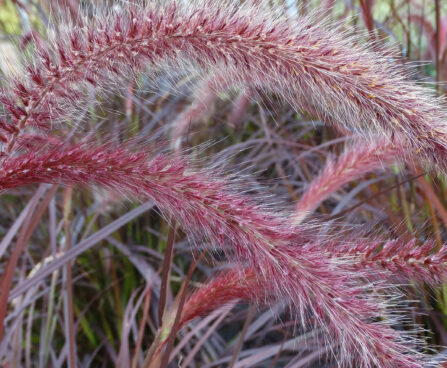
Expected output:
(225, 287)
(240, 106)
(339, 300)
(320, 65)
(405, 260)
(401, 260)
(357, 160)
(205, 97)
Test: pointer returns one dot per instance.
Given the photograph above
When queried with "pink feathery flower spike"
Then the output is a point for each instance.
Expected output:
(338, 300)
(357, 160)
(402, 261)
(346, 82)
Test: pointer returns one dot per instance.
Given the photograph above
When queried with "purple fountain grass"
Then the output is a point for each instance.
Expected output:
(321, 67)
(341, 301)
(405, 260)
(204, 98)
(240, 106)
(401, 260)
(227, 286)
(357, 160)
(319, 64)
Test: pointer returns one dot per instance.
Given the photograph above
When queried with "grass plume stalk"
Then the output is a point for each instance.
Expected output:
(205, 205)
(322, 66)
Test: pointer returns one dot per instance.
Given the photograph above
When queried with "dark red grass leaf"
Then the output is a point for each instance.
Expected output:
(25, 233)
